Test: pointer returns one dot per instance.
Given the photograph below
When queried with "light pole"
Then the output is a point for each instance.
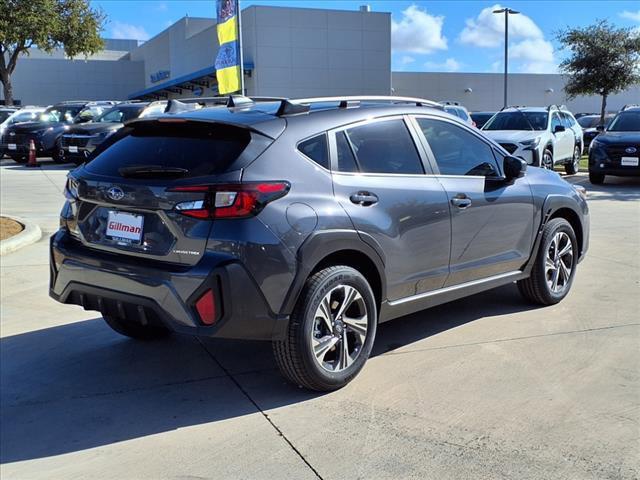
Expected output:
(507, 12)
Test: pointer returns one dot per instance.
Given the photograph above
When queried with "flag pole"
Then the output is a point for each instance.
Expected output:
(240, 47)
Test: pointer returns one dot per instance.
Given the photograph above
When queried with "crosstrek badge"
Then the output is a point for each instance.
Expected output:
(125, 226)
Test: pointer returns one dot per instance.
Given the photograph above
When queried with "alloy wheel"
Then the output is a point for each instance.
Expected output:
(559, 262)
(576, 158)
(547, 161)
(339, 329)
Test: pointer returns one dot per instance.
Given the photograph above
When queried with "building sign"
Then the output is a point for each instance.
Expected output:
(159, 75)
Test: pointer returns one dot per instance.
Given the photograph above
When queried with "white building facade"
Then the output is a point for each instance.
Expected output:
(292, 52)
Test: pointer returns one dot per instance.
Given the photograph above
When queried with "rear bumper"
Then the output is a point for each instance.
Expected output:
(167, 295)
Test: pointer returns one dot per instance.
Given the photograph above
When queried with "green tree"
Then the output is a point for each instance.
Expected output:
(604, 60)
(47, 25)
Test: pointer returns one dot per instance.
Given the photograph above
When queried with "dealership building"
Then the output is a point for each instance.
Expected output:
(292, 52)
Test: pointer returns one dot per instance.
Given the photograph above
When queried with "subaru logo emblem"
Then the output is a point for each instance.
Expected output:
(115, 193)
(12, 134)
(631, 150)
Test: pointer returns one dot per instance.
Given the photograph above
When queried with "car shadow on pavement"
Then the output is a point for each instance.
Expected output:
(79, 386)
(614, 188)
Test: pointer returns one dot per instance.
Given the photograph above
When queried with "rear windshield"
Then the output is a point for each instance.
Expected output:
(201, 149)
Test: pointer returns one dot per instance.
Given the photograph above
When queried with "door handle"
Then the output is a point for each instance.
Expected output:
(364, 198)
(461, 201)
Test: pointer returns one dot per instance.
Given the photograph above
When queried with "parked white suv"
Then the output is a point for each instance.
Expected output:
(541, 136)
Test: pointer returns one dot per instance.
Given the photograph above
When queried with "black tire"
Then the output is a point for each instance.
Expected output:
(596, 178)
(536, 288)
(294, 355)
(136, 330)
(19, 158)
(58, 154)
(547, 159)
(573, 166)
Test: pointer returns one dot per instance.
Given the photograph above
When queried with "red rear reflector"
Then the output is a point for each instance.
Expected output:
(206, 307)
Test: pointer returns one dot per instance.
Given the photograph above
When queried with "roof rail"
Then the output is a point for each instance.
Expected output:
(291, 106)
(303, 105)
(628, 106)
(447, 102)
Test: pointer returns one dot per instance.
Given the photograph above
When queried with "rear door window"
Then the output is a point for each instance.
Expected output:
(346, 160)
(201, 149)
(385, 147)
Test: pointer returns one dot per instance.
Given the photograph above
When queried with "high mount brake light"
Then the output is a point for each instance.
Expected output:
(237, 200)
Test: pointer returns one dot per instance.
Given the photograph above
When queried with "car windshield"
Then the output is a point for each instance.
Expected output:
(120, 114)
(60, 114)
(518, 120)
(4, 114)
(626, 122)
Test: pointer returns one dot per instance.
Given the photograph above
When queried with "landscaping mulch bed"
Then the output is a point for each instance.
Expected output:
(9, 228)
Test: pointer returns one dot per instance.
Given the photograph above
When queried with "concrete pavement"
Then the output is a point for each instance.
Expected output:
(485, 387)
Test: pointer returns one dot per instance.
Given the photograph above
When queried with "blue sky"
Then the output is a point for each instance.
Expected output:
(426, 35)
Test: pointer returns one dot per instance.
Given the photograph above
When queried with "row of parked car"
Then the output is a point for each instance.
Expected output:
(67, 131)
(542, 136)
(553, 135)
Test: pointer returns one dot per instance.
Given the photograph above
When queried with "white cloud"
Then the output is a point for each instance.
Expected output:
(487, 29)
(527, 46)
(406, 60)
(128, 31)
(162, 7)
(449, 65)
(635, 16)
(418, 32)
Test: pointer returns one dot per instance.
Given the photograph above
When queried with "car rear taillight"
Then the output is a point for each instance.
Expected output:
(230, 200)
(206, 308)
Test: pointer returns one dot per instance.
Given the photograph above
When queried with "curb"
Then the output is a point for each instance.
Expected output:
(29, 235)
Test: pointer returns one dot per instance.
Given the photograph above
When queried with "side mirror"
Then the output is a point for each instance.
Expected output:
(558, 129)
(514, 167)
(600, 128)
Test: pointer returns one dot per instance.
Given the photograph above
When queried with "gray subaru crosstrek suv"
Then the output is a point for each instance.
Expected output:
(306, 223)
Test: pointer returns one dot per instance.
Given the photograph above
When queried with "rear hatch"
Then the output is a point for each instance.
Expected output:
(123, 201)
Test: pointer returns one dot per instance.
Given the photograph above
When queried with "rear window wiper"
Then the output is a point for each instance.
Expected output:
(152, 170)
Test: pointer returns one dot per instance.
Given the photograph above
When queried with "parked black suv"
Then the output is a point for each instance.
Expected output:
(46, 132)
(616, 151)
(306, 223)
(79, 141)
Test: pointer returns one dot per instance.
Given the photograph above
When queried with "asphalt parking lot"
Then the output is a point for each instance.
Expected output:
(486, 387)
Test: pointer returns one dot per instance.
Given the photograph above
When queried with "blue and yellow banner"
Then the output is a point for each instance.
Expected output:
(228, 60)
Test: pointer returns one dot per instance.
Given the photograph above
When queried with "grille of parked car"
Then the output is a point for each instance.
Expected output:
(509, 147)
(615, 152)
(17, 138)
(74, 140)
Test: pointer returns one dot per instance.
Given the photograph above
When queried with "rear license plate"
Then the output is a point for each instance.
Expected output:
(73, 149)
(629, 161)
(12, 146)
(126, 227)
